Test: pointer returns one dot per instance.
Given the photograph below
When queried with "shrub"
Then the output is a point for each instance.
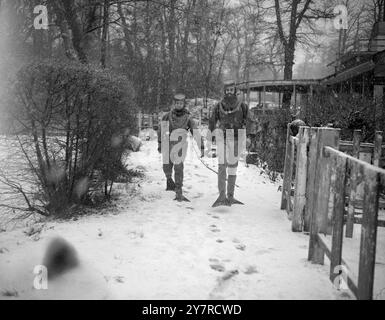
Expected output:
(269, 139)
(347, 112)
(73, 120)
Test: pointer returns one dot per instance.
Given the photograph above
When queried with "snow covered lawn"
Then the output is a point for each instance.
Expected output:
(148, 246)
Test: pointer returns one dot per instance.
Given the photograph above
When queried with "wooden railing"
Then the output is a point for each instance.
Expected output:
(326, 180)
(294, 183)
(146, 121)
(296, 175)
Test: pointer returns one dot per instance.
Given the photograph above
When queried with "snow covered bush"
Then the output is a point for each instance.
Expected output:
(71, 122)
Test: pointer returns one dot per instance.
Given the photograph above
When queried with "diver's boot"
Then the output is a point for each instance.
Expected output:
(230, 190)
(222, 200)
(179, 195)
(170, 185)
(179, 183)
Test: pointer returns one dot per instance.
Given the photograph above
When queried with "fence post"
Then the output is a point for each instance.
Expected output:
(353, 185)
(320, 218)
(311, 171)
(156, 121)
(300, 181)
(290, 175)
(377, 148)
(329, 137)
(286, 178)
(338, 189)
(368, 233)
(314, 141)
(151, 122)
(140, 121)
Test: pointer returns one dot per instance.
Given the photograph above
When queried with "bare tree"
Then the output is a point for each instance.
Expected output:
(103, 50)
(290, 17)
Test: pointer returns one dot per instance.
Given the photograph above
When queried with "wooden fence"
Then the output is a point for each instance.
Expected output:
(146, 121)
(152, 120)
(326, 174)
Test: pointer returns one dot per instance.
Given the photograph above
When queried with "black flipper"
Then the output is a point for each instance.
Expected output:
(181, 198)
(221, 201)
(232, 201)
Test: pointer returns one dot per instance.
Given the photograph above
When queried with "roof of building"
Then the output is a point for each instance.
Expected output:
(376, 63)
(302, 85)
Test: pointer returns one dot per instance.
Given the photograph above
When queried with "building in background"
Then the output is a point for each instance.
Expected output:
(359, 71)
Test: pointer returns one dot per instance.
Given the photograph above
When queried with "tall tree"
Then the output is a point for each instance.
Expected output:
(290, 17)
(106, 14)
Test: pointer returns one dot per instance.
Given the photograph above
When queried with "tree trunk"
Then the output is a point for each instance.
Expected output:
(148, 70)
(127, 37)
(103, 50)
(37, 37)
(161, 77)
(184, 61)
(171, 43)
(64, 32)
(288, 73)
(77, 34)
(289, 41)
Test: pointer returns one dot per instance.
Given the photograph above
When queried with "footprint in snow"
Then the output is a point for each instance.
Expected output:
(214, 228)
(119, 279)
(222, 284)
(250, 270)
(217, 267)
(135, 234)
(198, 175)
(241, 247)
(3, 250)
(229, 274)
(262, 251)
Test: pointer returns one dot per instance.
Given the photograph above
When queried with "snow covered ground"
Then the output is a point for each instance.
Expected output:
(147, 246)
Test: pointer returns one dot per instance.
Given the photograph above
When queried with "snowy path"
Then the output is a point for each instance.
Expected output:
(151, 247)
